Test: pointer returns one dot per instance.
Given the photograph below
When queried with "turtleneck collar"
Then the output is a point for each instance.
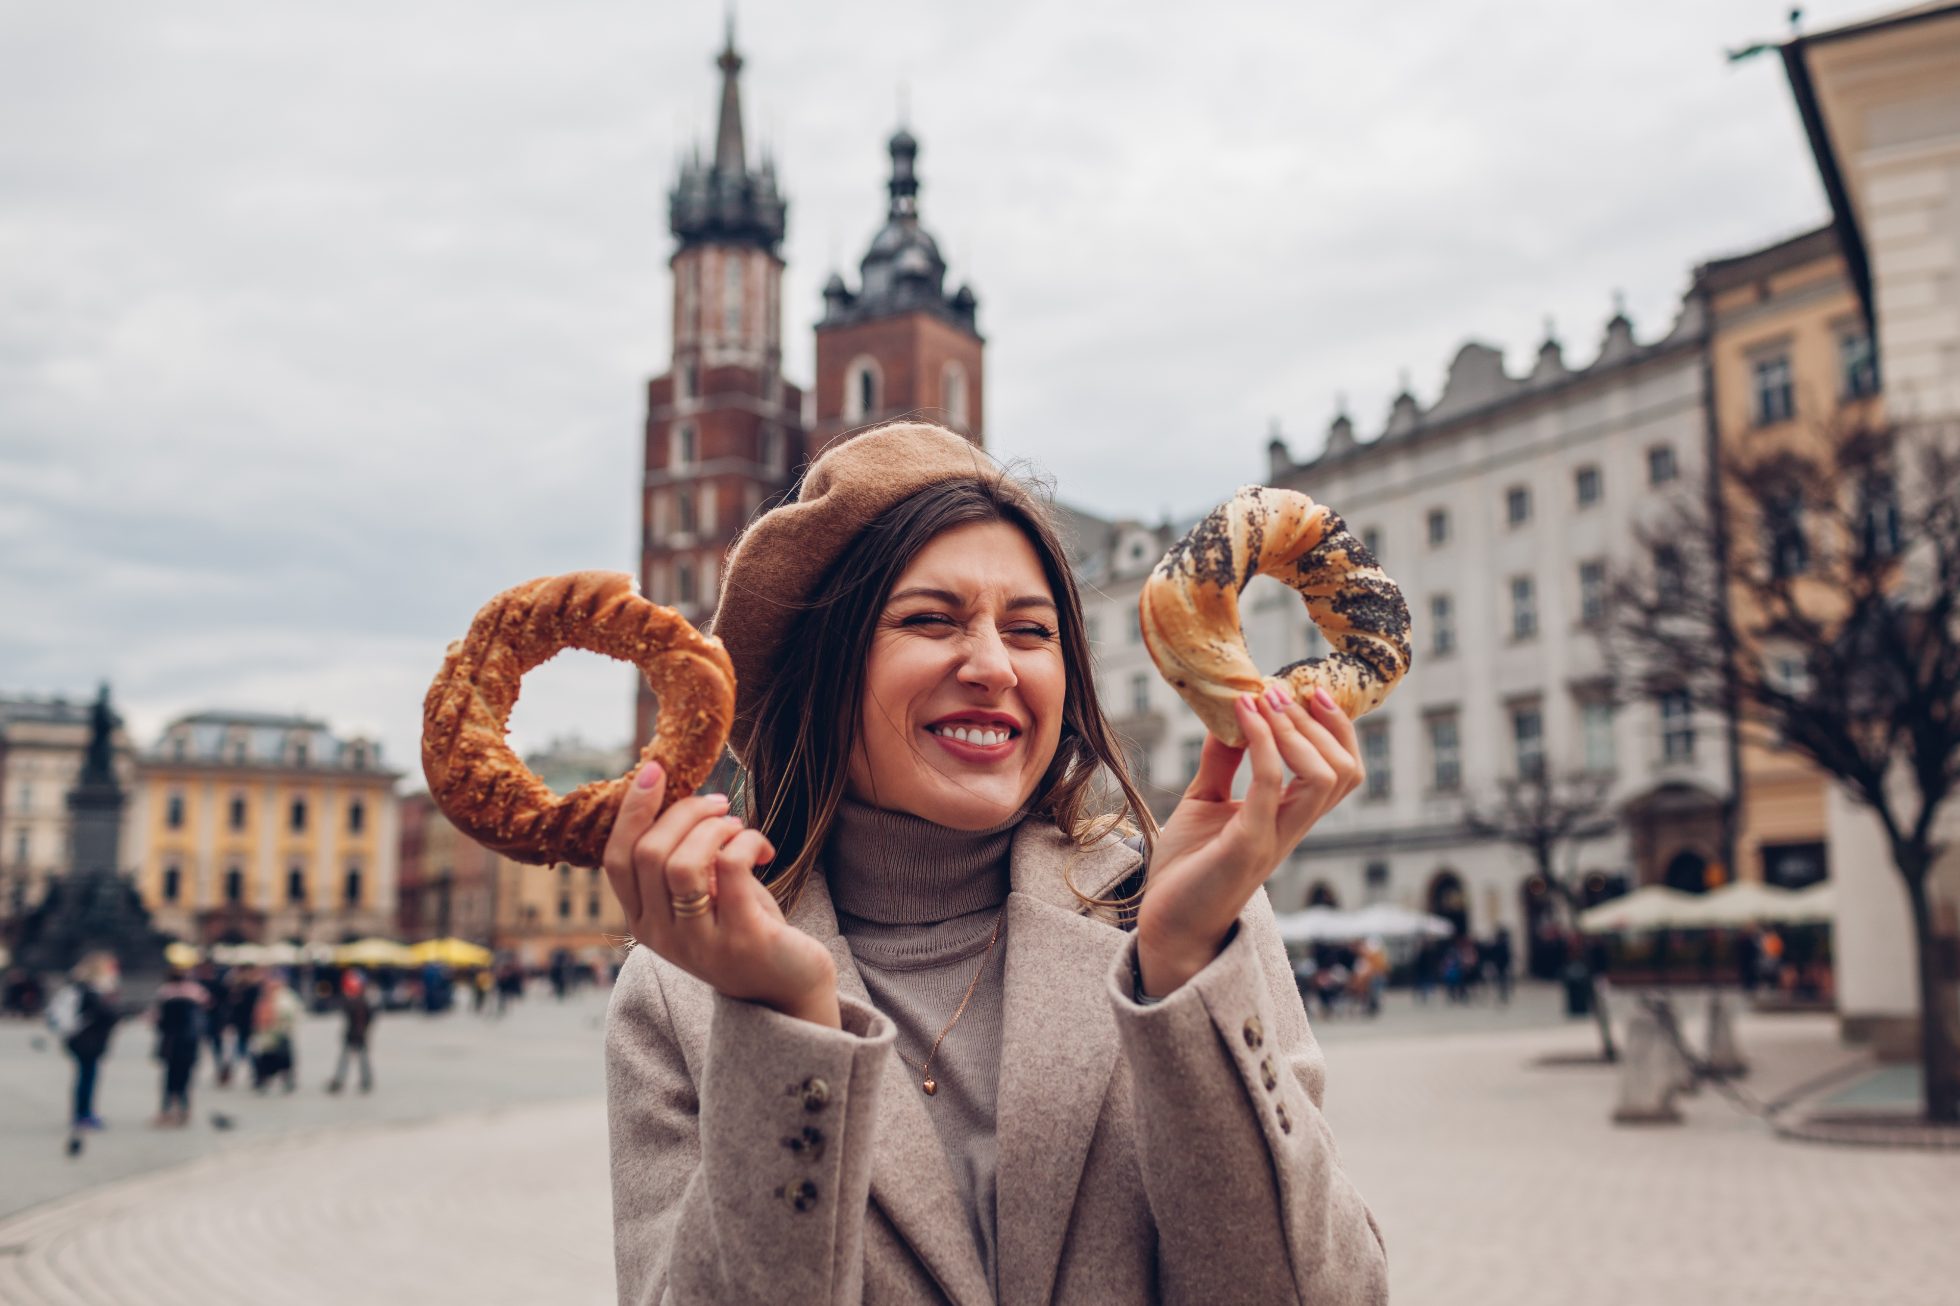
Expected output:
(894, 868)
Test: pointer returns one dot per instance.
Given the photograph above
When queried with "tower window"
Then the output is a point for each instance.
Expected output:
(684, 511)
(681, 453)
(731, 299)
(953, 395)
(861, 385)
(684, 585)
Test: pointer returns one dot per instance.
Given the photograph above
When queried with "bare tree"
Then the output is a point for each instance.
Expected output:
(1812, 593)
(1549, 818)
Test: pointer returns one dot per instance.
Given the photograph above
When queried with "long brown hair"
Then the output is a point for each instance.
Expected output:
(806, 725)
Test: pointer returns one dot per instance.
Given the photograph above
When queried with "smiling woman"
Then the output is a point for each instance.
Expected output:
(922, 1027)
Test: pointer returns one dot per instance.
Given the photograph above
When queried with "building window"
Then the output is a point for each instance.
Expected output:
(861, 389)
(1445, 760)
(592, 907)
(772, 451)
(687, 382)
(299, 753)
(1524, 608)
(1528, 739)
(173, 883)
(178, 747)
(296, 884)
(350, 887)
(731, 298)
(1677, 726)
(296, 816)
(1371, 540)
(1374, 759)
(356, 816)
(1140, 694)
(234, 885)
(173, 812)
(359, 753)
(238, 754)
(237, 813)
(1775, 395)
(684, 519)
(1596, 725)
(682, 449)
(564, 907)
(1592, 592)
(1442, 624)
(1439, 527)
(1879, 517)
(1375, 882)
(1517, 505)
(1193, 751)
(1660, 465)
(1670, 575)
(684, 586)
(20, 847)
(1789, 552)
(1857, 365)
(952, 385)
(1587, 487)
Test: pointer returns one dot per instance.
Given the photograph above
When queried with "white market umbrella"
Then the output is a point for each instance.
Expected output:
(1735, 905)
(1655, 907)
(1387, 921)
(1309, 926)
(1816, 905)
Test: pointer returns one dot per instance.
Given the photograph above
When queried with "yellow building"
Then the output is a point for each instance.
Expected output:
(257, 827)
(1789, 354)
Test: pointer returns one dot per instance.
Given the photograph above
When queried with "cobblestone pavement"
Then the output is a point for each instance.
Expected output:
(1497, 1181)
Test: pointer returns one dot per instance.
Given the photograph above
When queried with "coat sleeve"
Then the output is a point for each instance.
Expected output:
(750, 1184)
(1238, 1162)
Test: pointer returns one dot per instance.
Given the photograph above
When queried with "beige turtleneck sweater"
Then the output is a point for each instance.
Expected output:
(917, 902)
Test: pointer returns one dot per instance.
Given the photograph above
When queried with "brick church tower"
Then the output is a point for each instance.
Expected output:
(724, 431)
(899, 345)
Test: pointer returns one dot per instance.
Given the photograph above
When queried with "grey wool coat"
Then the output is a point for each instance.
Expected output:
(1172, 1153)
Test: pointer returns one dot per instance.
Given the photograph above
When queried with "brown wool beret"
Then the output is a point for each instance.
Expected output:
(778, 562)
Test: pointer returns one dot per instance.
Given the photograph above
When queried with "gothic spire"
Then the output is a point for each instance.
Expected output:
(729, 155)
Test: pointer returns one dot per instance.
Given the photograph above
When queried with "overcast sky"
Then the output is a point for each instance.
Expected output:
(320, 324)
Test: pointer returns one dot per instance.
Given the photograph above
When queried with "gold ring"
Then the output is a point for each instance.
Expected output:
(694, 905)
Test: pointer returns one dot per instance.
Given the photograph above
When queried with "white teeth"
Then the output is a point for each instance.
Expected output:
(983, 738)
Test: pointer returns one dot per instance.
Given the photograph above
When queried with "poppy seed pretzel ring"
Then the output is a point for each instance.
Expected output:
(477, 780)
(1189, 609)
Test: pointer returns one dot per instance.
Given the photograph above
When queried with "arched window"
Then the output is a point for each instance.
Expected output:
(952, 395)
(234, 885)
(296, 884)
(862, 389)
(1448, 900)
(1322, 895)
(1687, 871)
(351, 887)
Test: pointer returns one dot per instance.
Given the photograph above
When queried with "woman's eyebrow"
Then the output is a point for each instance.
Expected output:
(954, 600)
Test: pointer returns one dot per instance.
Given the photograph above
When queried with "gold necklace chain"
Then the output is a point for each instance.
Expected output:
(931, 1085)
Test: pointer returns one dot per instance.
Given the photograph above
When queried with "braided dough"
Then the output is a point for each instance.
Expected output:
(1190, 607)
(489, 794)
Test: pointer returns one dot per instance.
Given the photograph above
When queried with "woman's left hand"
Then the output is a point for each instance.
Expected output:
(1216, 850)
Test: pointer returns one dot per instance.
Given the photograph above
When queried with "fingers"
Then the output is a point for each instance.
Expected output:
(657, 845)
(1218, 762)
(688, 870)
(1262, 797)
(636, 812)
(1309, 749)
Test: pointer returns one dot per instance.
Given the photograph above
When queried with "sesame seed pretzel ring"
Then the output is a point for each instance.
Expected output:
(477, 780)
(1189, 608)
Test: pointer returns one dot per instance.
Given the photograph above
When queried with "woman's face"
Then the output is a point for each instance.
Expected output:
(964, 686)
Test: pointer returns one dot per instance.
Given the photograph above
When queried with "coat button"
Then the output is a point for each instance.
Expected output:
(809, 1143)
(1255, 1033)
(1267, 1074)
(801, 1196)
(1285, 1120)
(815, 1093)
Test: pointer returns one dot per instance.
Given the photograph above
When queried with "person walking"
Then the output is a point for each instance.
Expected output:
(84, 1014)
(244, 985)
(986, 1033)
(274, 1024)
(1501, 960)
(179, 1015)
(358, 1012)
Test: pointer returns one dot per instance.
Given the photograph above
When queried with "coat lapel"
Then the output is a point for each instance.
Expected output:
(911, 1179)
(1059, 1049)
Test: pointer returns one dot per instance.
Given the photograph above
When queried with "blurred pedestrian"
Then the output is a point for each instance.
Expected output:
(358, 1011)
(275, 1021)
(84, 1014)
(479, 989)
(1748, 960)
(1501, 959)
(179, 1015)
(246, 985)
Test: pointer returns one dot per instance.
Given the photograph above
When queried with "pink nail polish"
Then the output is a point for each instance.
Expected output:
(1276, 696)
(1324, 698)
(649, 776)
(1248, 702)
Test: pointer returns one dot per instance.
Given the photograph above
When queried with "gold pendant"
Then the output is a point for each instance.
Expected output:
(931, 1086)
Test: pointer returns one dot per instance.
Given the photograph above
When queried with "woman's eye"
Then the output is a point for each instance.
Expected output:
(926, 619)
(1035, 632)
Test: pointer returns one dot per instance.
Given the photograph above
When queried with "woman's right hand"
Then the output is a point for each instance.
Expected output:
(741, 946)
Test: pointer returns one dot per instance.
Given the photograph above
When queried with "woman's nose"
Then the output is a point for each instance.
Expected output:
(987, 664)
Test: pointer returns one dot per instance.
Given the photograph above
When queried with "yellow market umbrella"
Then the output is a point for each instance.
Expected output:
(372, 952)
(459, 953)
(179, 953)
